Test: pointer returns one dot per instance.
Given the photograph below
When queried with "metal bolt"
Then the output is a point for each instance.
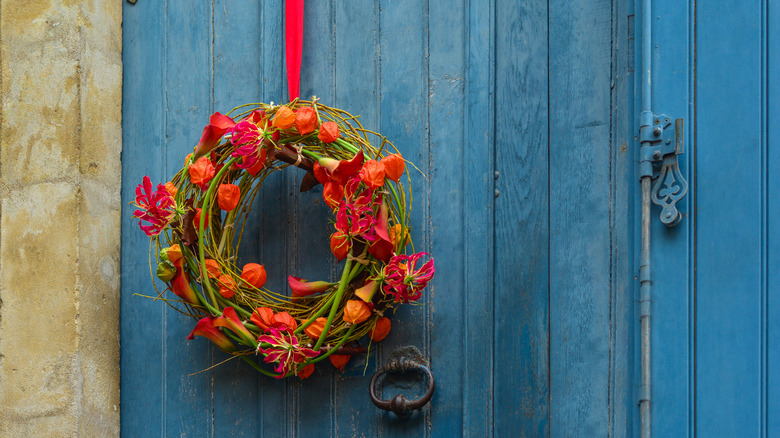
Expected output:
(668, 141)
(668, 215)
(657, 155)
(496, 175)
(657, 131)
(496, 193)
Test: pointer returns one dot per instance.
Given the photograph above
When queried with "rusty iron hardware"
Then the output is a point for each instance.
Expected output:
(399, 404)
(131, 1)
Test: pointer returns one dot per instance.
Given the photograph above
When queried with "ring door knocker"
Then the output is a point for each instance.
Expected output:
(399, 404)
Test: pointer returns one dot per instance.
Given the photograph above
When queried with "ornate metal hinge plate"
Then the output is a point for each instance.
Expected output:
(661, 144)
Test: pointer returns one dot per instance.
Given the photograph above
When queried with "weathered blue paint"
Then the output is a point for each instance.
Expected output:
(527, 324)
(715, 350)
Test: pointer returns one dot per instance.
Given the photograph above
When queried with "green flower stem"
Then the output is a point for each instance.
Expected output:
(316, 315)
(336, 301)
(257, 367)
(333, 350)
(192, 263)
(347, 145)
(227, 303)
(401, 212)
(240, 339)
(203, 212)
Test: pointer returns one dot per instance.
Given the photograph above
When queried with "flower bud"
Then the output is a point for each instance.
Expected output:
(305, 120)
(284, 118)
(314, 330)
(339, 360)
(381, 329)
(228, 196)
(254, 274)
(227, 287)
(356, 311)
(166, 271)
(329, 132)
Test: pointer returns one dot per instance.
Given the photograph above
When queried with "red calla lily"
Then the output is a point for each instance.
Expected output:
(230, 320)
(206, 328)
(303, 288)
(218, 125)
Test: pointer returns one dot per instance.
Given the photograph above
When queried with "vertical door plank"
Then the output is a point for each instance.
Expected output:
(624, 184)
(314, 396)
(403, 88)
(356, 90)
(729, 244)
(580, 235)
(478, 215)
(521, 219)
(238, 79)
(672, 256)
(143, 344)
(271, 210)
(447, 78)
(772, 337)
(188, 102)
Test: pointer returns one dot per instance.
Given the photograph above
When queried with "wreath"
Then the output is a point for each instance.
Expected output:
(196, 220)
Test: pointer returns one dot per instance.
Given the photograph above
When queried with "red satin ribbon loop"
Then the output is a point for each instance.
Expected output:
(293, 31)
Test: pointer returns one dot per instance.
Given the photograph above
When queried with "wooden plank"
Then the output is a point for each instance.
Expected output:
(672, 253)
(356, 90)
(447, 80)
(729, 244)
(580, 250)
(522, 221)
(188, 87)
(312, 224)
(276, 410)
(478, 212)
(771, 347)
(403, 87)
(624, 184)
(238, 77)
(143, 373)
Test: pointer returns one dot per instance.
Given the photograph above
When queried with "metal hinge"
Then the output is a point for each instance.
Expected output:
(660, 146)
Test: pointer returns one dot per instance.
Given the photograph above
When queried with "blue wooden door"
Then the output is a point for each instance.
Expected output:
(715, 363)
(516, 113)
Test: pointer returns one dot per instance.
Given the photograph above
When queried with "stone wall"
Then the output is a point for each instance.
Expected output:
(60, 144)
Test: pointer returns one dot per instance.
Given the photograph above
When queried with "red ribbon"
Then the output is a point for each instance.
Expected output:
(293, 31)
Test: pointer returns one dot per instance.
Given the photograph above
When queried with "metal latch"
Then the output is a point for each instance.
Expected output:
(660, 146)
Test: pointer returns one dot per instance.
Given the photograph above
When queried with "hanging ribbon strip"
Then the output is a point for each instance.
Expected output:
(293, 30)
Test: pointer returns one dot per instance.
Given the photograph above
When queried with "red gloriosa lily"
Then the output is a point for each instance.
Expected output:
(158, 207)
(206, 328)
(217, 127)
(284, 350)
(248, 140)
(402, 281)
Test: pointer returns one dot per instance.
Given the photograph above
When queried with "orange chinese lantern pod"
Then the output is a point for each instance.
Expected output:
(381, 329)
(314, 331)
(339, 360)
(187, 159)
(305, 120)
(284, 118)
(201, 172)
(339, 245)
(170, 188)
(373, 174)
(395, 233)
(329, 132)
(174, 253)
(356, 311)
(228, 196)
(227, 287)
(213, 269)
(306, 371)
(196, 221)
(286, 319)
(263, 317)
(254, 274)
(394, 166)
